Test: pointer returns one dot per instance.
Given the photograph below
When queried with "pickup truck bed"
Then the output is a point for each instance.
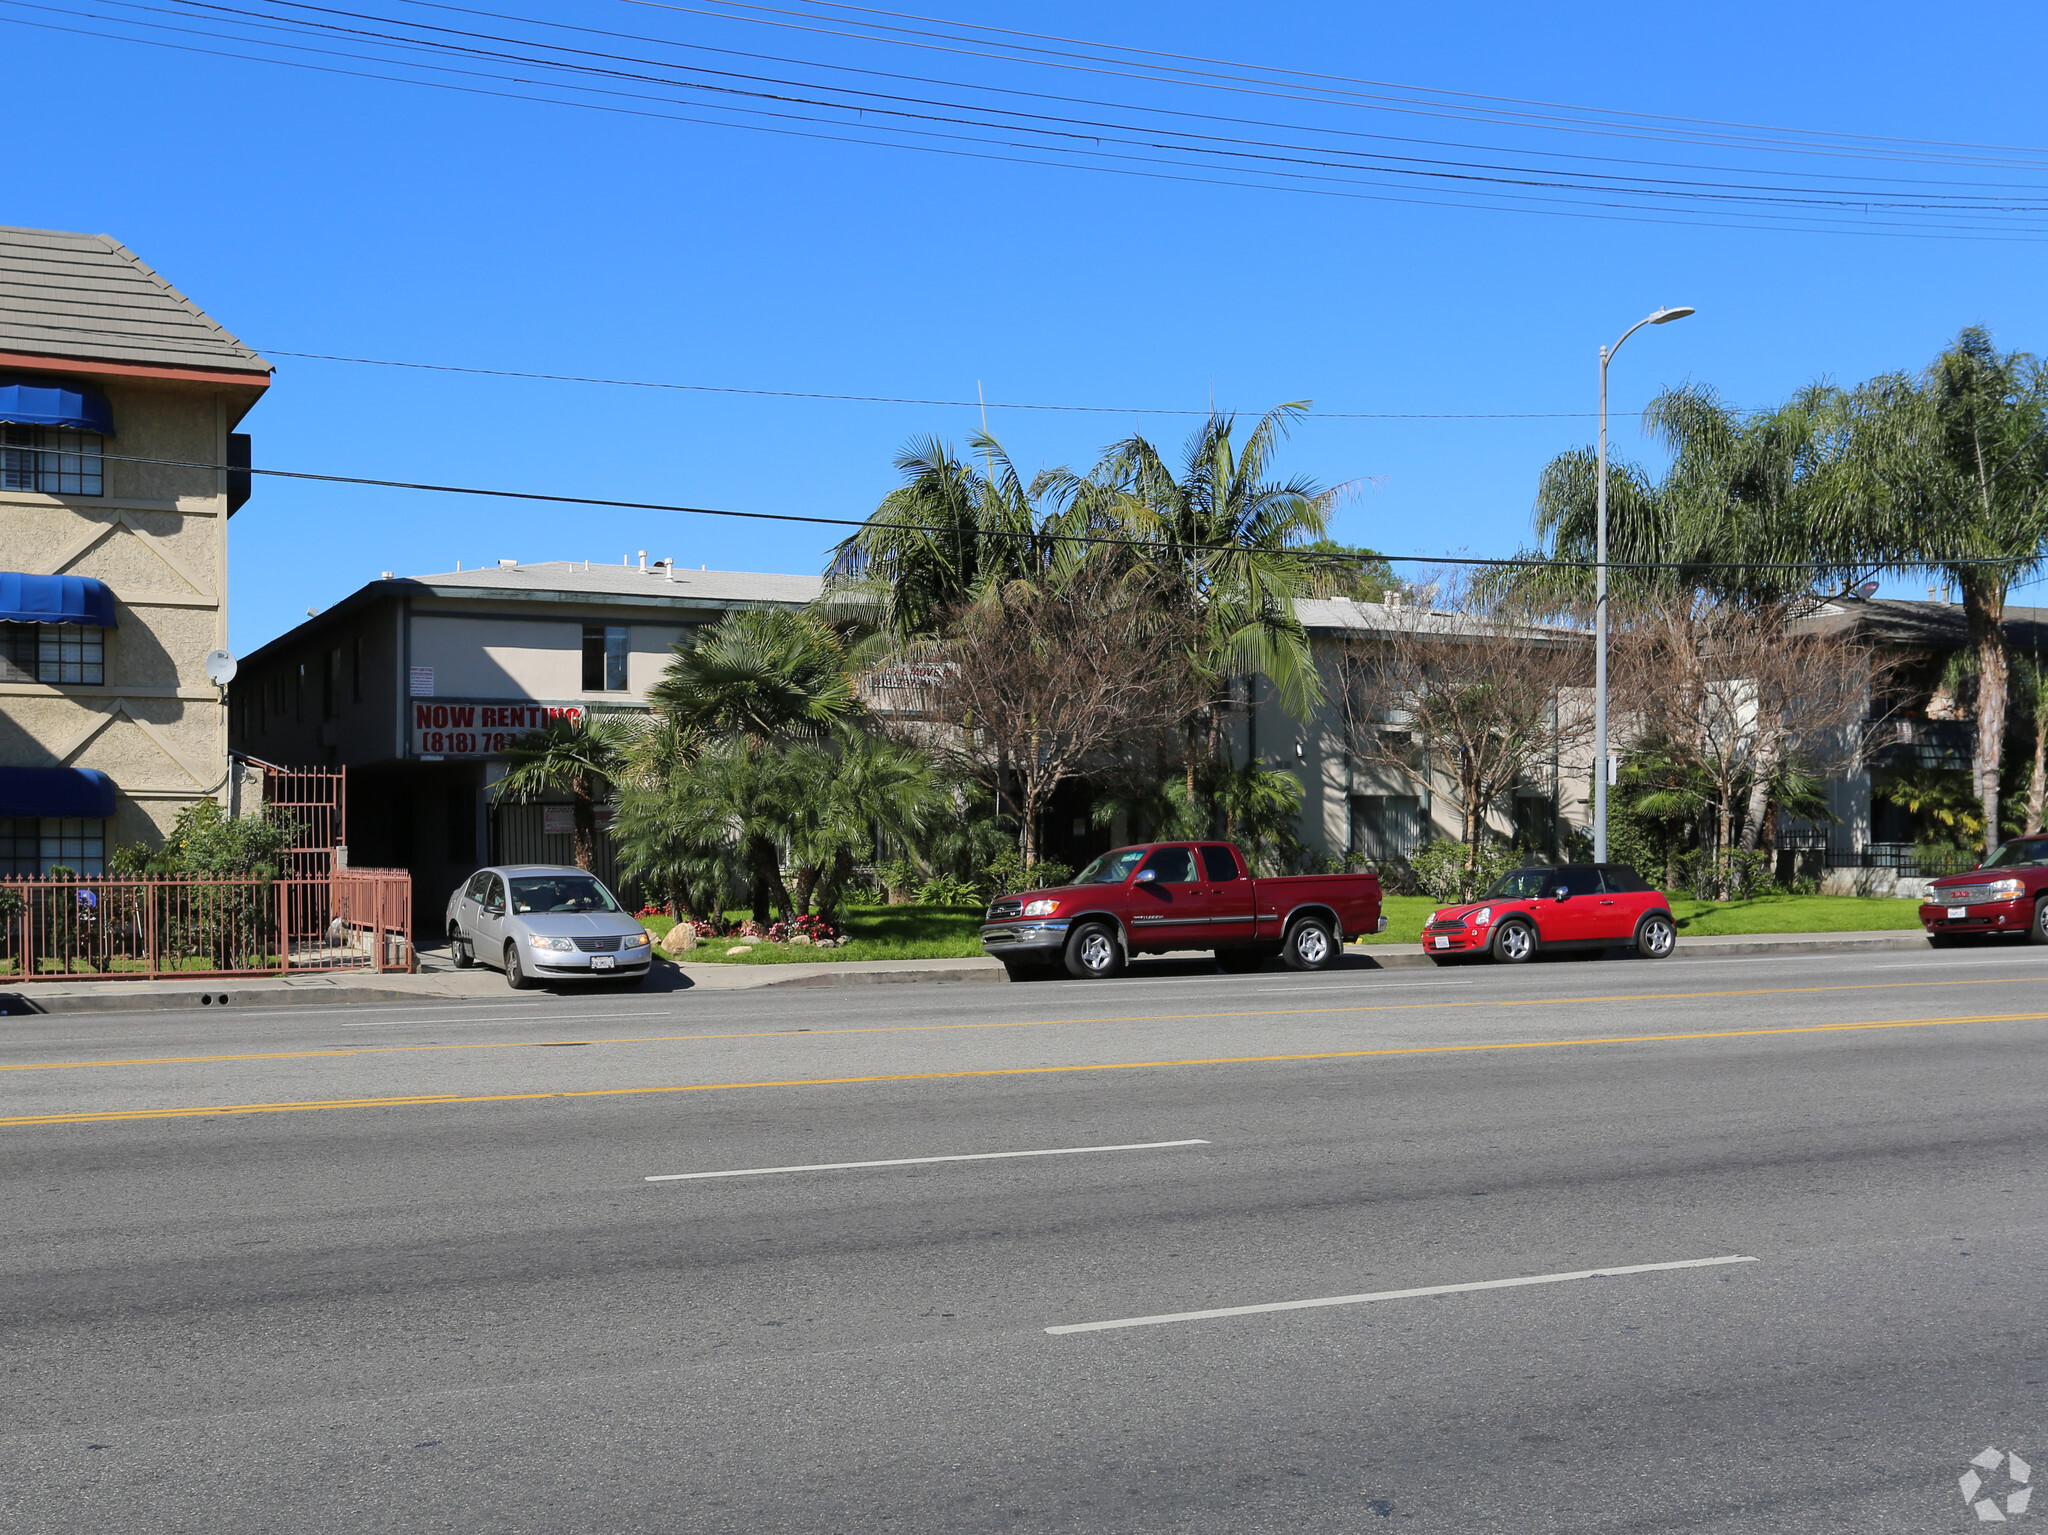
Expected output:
(1159, 897)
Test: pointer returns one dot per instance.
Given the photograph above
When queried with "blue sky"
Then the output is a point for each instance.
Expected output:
(318, 213)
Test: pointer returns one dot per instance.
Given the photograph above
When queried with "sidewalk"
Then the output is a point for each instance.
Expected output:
(438, 981)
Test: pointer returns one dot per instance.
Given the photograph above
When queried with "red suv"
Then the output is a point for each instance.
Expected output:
(1561, 906)
(2001, 897)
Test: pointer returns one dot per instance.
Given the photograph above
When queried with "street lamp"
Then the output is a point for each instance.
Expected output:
(1661, 317)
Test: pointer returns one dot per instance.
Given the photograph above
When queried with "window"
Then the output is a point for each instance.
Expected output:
(1385, 826)
(1220, 863)
(1622, 880)
(30, 847)
(604, 658)
(1173, 866)
(54, 653)
(55, 462)
(561, 893)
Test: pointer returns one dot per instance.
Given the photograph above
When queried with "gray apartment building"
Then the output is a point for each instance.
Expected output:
(419, 685)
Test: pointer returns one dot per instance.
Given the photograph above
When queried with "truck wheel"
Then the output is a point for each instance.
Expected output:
(1656, 936)
(1514, 943)
(1309, 945)
(2038, 932)
(514, 976)
(460, 950)
(1093, 954)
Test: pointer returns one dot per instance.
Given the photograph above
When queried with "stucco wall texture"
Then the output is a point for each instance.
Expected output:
(158, 539)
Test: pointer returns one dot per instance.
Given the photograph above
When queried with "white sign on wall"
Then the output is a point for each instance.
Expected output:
(422, 682)
(479, 730)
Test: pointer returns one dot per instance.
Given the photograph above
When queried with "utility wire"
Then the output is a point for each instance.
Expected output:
(1779, 213)
(1091, 540)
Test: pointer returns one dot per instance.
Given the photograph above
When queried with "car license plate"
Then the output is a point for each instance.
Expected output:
(602, 962)
(1958, 911)
(1443, 943)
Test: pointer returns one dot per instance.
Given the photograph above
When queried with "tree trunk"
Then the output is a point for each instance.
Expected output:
(2037, 785)
(1474, 827)
(583, 817)
(764, 868)
(1724, 831)
(1984, 605)
(1759, 792)
(806, 884)
(833, 883)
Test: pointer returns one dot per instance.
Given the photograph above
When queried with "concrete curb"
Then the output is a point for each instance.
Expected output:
(144, 996)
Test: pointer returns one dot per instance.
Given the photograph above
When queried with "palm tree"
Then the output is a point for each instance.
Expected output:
(763, 676)
(1228, 542)
(736, 802)
(576, 753)
(854, 794)
(2030, 692)
(950, 533)
(1950, 474)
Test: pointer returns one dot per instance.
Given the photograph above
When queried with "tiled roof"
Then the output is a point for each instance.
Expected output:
(581, 577)
(90, 298)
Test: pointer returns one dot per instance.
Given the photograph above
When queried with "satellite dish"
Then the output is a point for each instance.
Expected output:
(220, 668)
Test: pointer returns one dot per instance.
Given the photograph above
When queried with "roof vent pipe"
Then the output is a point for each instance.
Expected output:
(643, 562)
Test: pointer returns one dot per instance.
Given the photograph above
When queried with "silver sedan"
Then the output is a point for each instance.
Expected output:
(542, 922)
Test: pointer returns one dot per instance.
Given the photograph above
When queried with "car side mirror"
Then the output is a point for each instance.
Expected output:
(1146, 876)
(1563, 894)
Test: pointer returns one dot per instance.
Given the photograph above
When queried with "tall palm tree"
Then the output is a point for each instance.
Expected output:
(1228, 543)
(1950, 475)
(578, 754)
(954, 528)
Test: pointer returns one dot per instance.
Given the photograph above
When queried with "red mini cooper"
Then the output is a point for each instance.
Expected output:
(1562, 906)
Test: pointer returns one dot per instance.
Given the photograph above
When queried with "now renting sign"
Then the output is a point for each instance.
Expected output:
(443, 729)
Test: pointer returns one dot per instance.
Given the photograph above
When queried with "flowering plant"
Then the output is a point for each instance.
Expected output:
(814, 927)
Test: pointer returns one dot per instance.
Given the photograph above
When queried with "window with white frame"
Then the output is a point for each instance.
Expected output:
(53, 653)
(51, 460)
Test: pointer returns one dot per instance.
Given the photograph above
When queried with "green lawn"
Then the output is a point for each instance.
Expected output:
(878, 932)
(1703, 919)
(951, 932)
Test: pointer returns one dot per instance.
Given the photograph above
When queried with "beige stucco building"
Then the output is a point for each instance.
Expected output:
(119, 400)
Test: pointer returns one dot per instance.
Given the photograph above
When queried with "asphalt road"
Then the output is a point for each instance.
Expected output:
(240, 1297)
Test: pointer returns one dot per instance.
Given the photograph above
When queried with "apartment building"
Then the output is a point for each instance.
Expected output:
(419, 685)
(119, 402)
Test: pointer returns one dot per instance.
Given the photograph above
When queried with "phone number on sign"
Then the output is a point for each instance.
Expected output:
(457, 743)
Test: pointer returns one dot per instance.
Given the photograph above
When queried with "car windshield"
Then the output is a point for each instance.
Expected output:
(1521, 885)
(2018, 851)
(561, 892)
(1111, 868)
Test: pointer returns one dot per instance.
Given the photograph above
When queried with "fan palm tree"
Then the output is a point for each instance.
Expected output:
(1950, 475)
(760, 676)
(579, 754)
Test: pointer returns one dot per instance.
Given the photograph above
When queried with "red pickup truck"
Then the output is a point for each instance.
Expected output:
(1161, 896)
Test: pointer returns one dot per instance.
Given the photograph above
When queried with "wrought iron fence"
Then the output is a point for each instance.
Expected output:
(148, 927)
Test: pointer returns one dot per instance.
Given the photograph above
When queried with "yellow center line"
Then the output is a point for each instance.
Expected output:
(107, 1116)
(1027, 1023)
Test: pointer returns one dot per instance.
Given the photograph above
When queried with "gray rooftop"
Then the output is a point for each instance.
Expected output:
(1346, 615)
(1916, 625)
(90, 298)
(584, 578)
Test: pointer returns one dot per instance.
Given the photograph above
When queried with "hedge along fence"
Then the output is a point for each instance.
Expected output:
(141, 927)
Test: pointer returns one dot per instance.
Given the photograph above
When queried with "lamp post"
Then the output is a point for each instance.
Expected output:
(1661, 317)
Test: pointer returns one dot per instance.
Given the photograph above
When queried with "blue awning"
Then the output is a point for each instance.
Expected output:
(55, 600)
(73, 793)
(54, 402)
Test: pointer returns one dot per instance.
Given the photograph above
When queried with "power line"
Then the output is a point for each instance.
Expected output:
(1092, 540)
(883, 399)
(1480, 195)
